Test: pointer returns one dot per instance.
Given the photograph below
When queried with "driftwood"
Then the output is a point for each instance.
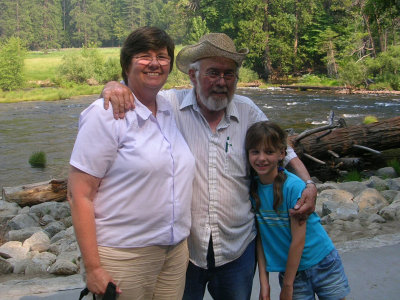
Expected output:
(352, 140)
(32, 194)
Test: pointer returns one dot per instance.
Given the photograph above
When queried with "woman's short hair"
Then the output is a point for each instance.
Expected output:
(141, 40)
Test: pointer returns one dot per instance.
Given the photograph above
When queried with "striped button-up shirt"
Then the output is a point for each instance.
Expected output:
(220, 206)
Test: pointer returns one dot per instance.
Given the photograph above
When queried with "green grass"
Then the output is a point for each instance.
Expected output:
(395, 164)
(353, 175)
(315, 80)
(49, 94)
(38, 159)
(40, 66)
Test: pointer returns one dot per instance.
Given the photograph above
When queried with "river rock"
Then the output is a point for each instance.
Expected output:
(40, 263)
(393, 183)
(8, 208)
(335, 195)
(347, 211)
(63, 245)
(391, 212)
(63, 267)
(22, 221)
(20, 265)
(370, 200)
(57, 210)
(39, 241)
(47, 219)
(353, 187)
(386, 172)
(22, 234)
(5, 266)
(13, 249)
(376, 183)
(54, 228)
(375, 218)
(389, 195)
(327, 186)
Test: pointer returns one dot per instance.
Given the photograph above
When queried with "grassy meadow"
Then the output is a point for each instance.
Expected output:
(41, 72)
(42, 77)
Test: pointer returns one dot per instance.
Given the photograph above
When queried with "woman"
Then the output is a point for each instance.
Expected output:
(130, 183)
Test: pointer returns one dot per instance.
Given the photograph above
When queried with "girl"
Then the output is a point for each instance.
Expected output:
(303, 253)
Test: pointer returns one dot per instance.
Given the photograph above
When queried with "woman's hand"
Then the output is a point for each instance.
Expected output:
(97, 281)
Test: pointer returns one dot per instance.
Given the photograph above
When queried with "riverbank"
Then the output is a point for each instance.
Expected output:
(51, 93)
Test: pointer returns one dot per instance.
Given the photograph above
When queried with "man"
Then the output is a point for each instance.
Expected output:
(214, 121)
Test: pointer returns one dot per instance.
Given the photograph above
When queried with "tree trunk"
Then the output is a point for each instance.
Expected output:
(381, 135)
(371, 39)
(267, 60)
(32, 194)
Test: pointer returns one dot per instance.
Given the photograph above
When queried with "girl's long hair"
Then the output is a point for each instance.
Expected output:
(270, 136)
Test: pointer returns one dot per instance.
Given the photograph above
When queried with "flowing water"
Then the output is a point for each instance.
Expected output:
(27, 127)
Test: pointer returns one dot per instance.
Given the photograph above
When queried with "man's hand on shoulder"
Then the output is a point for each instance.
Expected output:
(120, 96)
(306, 204)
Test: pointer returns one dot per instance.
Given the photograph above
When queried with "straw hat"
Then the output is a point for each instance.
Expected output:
(210, 45)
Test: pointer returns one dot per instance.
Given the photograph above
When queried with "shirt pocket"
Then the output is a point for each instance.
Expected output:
(235, 162)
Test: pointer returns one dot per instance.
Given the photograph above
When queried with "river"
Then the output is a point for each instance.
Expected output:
(27, 127)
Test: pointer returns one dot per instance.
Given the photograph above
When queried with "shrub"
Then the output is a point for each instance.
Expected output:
(395, 164)
(112, 70)
(353, 74)
(38, 159)
(12, 54)
(82, 66)
(247, 75)
(370, 119)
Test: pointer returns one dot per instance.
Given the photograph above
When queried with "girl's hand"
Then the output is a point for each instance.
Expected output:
(97, 281)
(286, 292)
(264, 293)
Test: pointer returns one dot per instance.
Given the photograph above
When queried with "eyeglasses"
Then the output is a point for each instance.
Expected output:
(215, 75)
(147, 59)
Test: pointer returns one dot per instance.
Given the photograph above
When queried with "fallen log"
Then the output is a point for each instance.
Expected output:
(36, 193)
(380, 135)
(312, 87)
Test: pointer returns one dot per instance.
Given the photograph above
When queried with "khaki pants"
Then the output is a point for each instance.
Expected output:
(154, 272)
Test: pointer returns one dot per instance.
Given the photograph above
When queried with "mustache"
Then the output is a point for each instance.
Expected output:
(220, 90)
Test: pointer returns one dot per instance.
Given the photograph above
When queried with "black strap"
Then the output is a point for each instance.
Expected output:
(84, 292)
(110, 294)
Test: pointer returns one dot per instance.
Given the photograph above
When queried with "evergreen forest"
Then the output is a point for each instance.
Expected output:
(356, 41)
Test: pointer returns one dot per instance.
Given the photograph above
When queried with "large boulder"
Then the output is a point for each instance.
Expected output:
(391, 212)
(13, 249)
(370, 200)
(39, 241)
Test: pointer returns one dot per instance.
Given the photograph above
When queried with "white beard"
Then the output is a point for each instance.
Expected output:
(209, 102)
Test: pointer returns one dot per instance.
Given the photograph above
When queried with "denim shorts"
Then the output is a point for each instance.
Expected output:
(326, 279)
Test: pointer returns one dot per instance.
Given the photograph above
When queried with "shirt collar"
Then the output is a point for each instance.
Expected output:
(144, 113)
(190, 100)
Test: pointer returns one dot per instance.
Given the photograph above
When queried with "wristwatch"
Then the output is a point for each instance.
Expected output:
(309, 181)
